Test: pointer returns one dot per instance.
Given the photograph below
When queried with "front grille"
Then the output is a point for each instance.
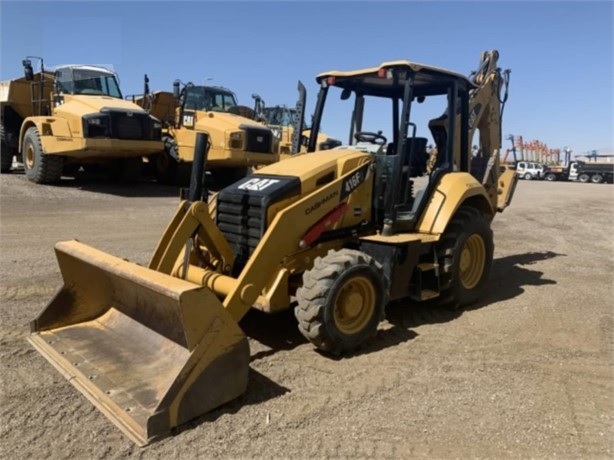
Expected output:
(111, 124)
(258, 140)
(133, 127)
(241, 219)
(242, 211)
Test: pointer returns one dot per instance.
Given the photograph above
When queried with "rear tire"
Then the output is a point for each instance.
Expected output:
(584, 178)
(167, 170)
(528, 176)
(550, 177)
(465, 254)
(39, 167)
(6, 153)
(341, 301)
(596, 179)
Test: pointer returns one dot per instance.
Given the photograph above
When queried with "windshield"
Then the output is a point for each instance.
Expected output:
(281, 116)
(206, 98)
(87, 82)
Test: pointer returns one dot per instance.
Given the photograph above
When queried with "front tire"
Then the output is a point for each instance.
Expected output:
(341, 301)
(465, 255)
(39, 167)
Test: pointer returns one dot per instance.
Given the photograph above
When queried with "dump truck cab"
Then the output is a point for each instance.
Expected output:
(283, 121)
(69, 116)
(238, 142)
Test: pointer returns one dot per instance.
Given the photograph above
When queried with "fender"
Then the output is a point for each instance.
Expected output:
(453, 191)
(52, 131)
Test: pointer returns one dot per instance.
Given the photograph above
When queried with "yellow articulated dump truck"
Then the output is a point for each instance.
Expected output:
(237, 141)
(333, 234)
(57, 120)
(283, 121)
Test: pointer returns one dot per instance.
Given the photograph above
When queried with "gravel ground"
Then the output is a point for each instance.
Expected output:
(526, 373)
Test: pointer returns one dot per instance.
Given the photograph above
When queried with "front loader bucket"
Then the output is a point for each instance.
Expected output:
(149, 350)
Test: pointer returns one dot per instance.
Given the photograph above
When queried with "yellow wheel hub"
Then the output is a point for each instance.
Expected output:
(472, 261)
(354, 305)
(30, 156)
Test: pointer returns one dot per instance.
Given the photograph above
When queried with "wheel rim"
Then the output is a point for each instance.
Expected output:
(29, 160)
(472, 261)
(354, 305)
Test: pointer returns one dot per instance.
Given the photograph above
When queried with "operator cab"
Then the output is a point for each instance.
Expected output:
(208, 98)
(415, 96)
(86, 80)
(279, 116)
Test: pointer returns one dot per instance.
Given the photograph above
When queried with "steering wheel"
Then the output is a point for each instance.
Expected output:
(374, 138)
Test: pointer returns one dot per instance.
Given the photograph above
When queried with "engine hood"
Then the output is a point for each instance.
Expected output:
(310, 166)
(224, 121)
(85, 105)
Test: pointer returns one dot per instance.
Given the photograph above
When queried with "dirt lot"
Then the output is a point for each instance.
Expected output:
(526, 373)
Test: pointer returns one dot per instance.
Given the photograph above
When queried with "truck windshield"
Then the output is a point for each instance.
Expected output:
(208, 99)
(280, 116)
(87, 82)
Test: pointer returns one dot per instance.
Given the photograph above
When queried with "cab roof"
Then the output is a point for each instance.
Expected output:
(428, 80)
(80, 67)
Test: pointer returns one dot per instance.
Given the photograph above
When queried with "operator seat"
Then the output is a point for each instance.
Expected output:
(420, 156)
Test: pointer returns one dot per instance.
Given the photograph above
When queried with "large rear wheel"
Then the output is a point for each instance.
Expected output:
(584, 178)
(6, 153)
(39, 167)
(465, 254)
(342, 301)
(167, 170)
(596, 179)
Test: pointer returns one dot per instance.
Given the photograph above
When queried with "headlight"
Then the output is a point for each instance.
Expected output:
(236, 140)
(96, 126)
(276, 132)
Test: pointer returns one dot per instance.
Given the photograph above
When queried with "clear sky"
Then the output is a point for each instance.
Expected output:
(560, 52)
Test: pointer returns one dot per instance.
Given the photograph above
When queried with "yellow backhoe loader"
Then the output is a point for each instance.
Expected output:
(58, 120)
(237, 141)
(335, 234)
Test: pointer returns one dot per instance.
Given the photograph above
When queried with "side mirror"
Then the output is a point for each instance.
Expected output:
(345, 94)
(27, 69)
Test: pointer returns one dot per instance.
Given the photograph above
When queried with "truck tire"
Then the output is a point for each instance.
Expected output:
(167, 170)
(6, 153)
(551, 177)
(584, 178)
(596, 179)
(465, 254)
(39, 168)
(342, 300)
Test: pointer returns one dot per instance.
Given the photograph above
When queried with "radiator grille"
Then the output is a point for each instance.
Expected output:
(134, 127)
(258, 140)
